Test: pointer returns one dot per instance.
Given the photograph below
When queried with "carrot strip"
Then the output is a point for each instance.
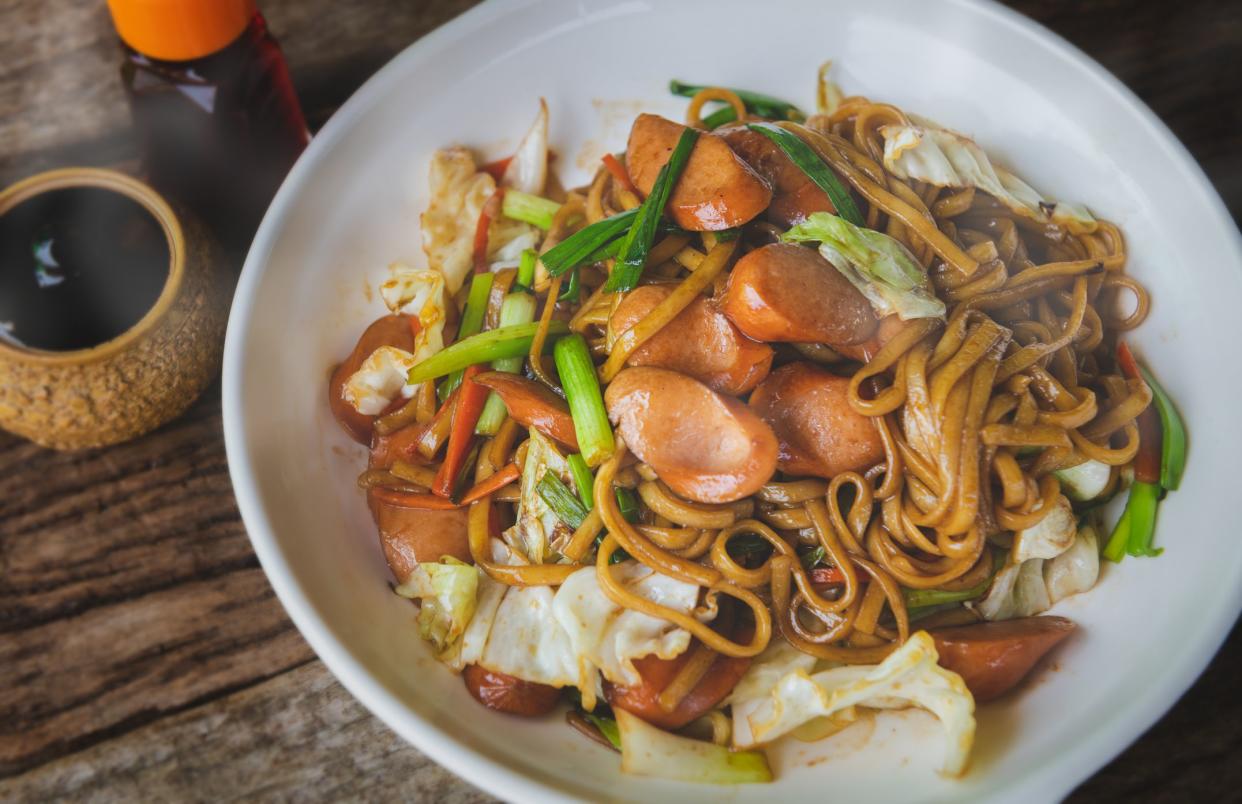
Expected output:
(619, 172)
(406, 499)
(497, 169)
(494, 483)
(470, 401)
(822, 576)
(491, 211)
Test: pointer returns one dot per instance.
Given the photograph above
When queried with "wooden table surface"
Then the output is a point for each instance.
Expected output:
(144, 655)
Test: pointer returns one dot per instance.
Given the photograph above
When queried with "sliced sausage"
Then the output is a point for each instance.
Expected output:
(397, 446)
(993, 657)
(794, 195)
(716, 191)
(888, 328)
(412, 535)
(391, 330)
(533, 404)
(820, 434)
(657, 673)
(787, 292)
(707, 447)
(700, 342)
(505, 693)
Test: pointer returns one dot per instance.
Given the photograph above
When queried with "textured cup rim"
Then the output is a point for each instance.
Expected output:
(146, 197)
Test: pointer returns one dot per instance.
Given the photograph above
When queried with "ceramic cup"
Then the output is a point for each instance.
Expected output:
(152, 372)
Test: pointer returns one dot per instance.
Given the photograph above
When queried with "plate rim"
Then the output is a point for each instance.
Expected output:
(1109, 739)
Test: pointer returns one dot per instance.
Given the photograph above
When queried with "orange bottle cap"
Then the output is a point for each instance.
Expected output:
(180, 30)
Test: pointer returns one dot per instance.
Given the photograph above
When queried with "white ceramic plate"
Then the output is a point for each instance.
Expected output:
(351, 206)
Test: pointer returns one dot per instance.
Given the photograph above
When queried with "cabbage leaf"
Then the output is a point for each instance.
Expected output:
(925, 151)
(881, 268)
(909, 677)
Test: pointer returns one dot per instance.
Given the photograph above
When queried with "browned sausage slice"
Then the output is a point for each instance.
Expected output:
(993, 657)
(794, 195)
(411, 535)
(533, 404)
(786, 292)
(657, 673)
(820, 434)
(716, 191)
(707, 447)
(505, 693)
(700, 342)
(889, 326)
(391, 330)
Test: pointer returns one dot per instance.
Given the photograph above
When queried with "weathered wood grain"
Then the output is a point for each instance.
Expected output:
(296, 737)
(89, 529)
(81, 679)
(143, 655)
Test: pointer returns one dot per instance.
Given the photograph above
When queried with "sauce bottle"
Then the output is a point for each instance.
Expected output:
(213, 105)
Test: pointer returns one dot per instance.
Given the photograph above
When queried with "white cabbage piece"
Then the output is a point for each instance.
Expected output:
(527, 642)
(507, 241)
(1018, 590)
(909, 677)
(828, 96)
(570, 636)
(474, 637)
(420, 292)
(649, 751)
(537, 525)
(1035, 585)
(880, 267)
(925, 151)
(608, 638)
(1076, 570)
(379, 380)
(458, 192)
(528, 170)
(1040, 572)
(447, 591)
(1086, 481)
(1048, 538)
(778, 660)
(381, 377)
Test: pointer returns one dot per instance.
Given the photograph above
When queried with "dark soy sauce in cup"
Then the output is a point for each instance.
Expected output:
(78, 267)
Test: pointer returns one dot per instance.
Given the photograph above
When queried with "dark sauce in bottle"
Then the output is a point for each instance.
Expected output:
(219, 131)
(78, 267)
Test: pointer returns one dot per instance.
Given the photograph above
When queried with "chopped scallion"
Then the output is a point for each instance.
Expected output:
(757, 102)
(485, 347)
(586, 401)
(583, 480)
(1172, 434)
(638, 241)
(517, 308)
(572, 289)
(526, 270)
(567, 507)
(808, 162)
(582, 244)
(529, 208)
(471, 322)
(628, 504)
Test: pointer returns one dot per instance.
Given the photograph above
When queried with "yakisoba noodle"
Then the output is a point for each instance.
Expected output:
(976, 413)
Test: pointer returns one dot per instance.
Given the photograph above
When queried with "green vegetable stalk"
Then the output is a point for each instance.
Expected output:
(586, 400)
(808, 162)
(529, 208)
(471, 322)
(638, 241)
(484, 347)
(517, 308)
